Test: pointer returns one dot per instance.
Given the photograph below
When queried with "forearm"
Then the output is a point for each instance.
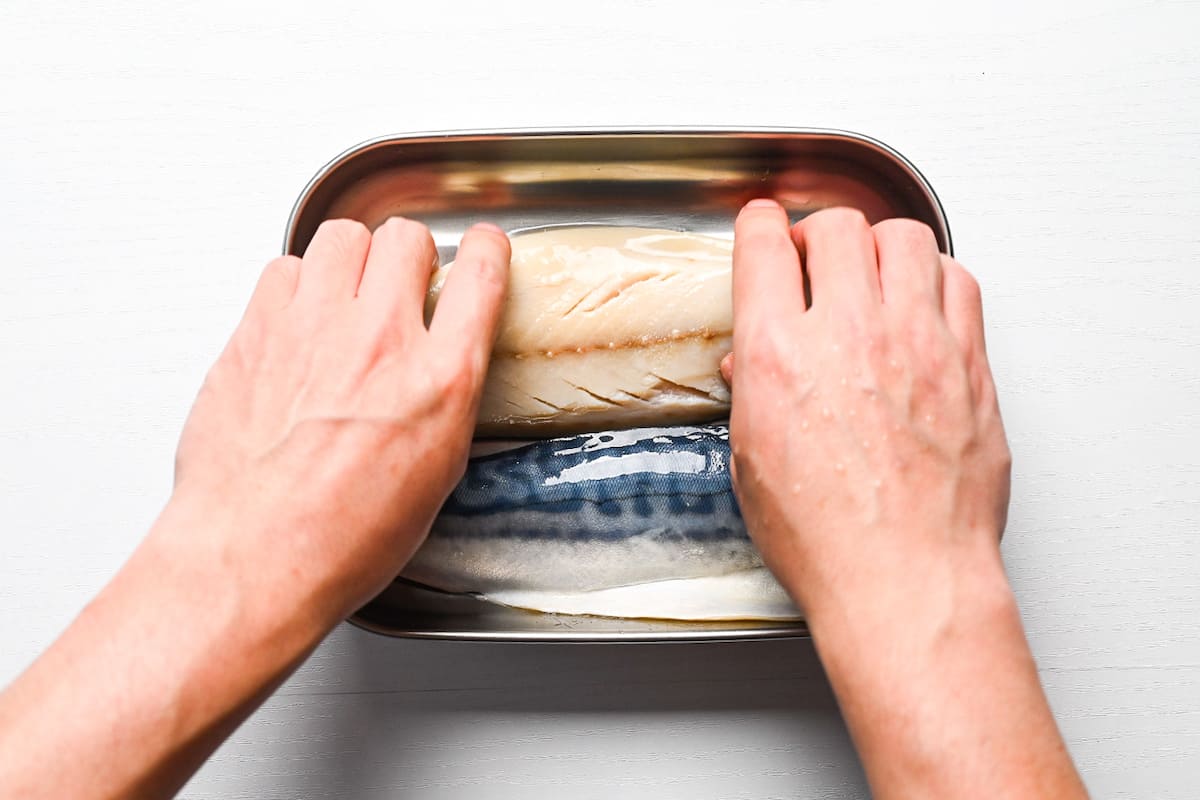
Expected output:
(937, 683)
(158, 669)
(305, 479)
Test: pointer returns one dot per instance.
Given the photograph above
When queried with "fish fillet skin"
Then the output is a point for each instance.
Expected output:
(606, 327)
(581, 522)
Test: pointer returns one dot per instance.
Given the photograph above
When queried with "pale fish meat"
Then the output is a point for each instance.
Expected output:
(608, 327)
(630, 523)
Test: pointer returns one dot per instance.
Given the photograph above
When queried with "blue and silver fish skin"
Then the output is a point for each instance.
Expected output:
(591, 512)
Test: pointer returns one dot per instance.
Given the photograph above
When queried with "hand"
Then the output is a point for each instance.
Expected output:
(867, 438)
(322, 444)
(872, 469)
(334, 416)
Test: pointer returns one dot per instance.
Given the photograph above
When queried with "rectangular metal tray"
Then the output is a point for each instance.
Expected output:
(680, 178)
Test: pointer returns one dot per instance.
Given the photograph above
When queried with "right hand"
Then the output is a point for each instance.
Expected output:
(869, 457)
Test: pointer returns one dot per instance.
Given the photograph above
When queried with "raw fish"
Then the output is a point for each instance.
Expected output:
(632, 523)
(608, 327)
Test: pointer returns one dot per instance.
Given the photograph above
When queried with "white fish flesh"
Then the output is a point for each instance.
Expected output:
(632, 523)
(608, 327)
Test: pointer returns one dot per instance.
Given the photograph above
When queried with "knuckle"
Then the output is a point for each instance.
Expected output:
(492, 275)
(924, 331)
(457, 382)
(489, 264)
(767, 353)
(759, 357)
(858, 330)
(875, 348)
(928, 343)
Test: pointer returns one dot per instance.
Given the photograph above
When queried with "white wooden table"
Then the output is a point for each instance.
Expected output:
(151, 154)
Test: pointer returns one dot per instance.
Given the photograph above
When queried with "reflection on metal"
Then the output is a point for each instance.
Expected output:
(680, 178)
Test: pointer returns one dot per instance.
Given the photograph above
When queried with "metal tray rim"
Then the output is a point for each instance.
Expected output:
(790, 630)
(553, 132)
(797, 630)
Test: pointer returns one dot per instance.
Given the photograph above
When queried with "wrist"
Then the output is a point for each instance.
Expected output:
(909, 604)
(228, 561)
(931, 669)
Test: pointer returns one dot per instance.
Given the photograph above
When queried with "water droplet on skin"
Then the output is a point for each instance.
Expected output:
(826, 413)
(578, 349)
(839, 467)
(866, 444)
(797, 488)
(803, 424)
(929, 417)
(549, 354)
(612, 345)
(877, 483)
(843, 381)
(836, 347)
(894, 364)
(852, 412)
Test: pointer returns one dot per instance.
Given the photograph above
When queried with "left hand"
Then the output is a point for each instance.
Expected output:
(334, 424)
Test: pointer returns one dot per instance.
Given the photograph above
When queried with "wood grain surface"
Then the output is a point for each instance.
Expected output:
(151, 153)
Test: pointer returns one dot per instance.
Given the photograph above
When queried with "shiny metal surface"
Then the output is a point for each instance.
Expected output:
(686, 179)
(409, 610)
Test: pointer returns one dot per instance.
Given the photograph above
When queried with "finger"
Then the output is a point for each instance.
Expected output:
(276, 286)
(768, 285)
(333, 261)
(840, 260)
(396, 276)
(468, 311)
(963, 304)
(727, 369)
(910, 266)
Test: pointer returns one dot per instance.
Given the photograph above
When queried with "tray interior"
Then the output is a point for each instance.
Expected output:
(685, 180)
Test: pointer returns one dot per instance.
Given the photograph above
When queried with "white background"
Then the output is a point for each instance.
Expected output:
(151, 153)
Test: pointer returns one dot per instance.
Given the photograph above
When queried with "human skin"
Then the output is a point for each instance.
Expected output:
(322, 443)
(334, 424)
(872, 468)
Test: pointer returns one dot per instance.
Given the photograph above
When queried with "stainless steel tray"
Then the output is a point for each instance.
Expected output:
(681, 178)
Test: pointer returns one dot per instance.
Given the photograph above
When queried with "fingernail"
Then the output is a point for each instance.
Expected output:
(487, 226)
(763, 202)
